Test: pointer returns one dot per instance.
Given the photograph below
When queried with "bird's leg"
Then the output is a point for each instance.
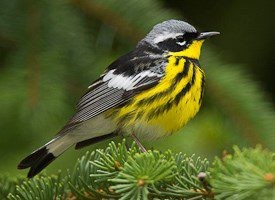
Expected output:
(141, 147)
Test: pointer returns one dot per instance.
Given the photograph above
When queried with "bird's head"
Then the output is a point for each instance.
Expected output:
(178, 38)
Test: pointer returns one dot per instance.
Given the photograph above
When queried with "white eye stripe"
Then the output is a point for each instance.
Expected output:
(181, 43)
(165, 36)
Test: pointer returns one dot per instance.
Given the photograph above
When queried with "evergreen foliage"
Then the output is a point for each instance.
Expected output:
(247, 174)
(43, 187)
(7, 186)
(119, 172)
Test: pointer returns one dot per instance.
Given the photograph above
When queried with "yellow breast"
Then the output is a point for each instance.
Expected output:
(171, 103)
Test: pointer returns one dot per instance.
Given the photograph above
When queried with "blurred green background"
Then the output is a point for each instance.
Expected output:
(50, 51)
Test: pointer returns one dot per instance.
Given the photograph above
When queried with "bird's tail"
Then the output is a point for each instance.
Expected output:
(43, 156)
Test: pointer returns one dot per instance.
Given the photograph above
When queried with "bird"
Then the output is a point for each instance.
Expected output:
(150, 92)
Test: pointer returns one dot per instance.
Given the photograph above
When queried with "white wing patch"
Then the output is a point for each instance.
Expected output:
(127, 83)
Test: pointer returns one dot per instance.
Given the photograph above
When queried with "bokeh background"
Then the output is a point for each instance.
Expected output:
(50, 51)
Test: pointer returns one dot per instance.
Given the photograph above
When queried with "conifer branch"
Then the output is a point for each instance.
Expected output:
(247, 174)
(118, 172)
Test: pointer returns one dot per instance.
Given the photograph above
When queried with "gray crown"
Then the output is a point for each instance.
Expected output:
(168, 28)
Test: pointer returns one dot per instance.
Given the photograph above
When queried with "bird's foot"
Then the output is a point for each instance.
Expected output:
(141, 147)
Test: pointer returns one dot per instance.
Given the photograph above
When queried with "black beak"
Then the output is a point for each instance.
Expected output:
(205, 35)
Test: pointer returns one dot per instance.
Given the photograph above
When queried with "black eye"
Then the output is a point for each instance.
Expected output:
(180, 39)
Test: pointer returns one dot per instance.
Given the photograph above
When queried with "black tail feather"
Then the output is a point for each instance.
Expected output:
(43, 156)
(37, 161)
(41, 164)
(32, 158)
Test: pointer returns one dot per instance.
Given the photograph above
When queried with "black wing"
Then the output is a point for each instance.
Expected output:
(115, 88)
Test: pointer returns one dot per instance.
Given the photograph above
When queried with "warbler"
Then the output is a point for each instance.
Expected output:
(150, 92)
